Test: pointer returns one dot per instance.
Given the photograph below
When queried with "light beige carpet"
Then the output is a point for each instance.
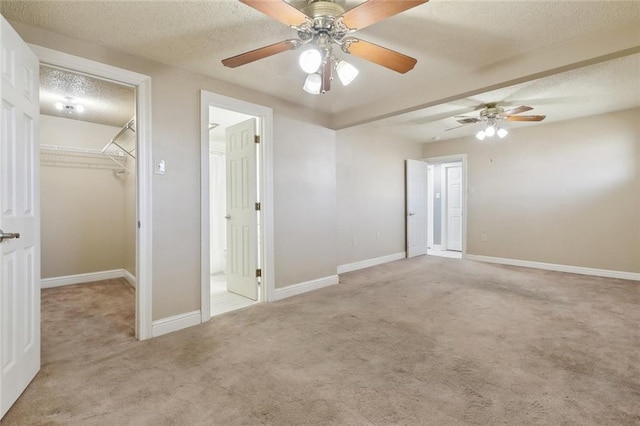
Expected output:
(425, 341)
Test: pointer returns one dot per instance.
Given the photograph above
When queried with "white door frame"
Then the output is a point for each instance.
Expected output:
(144, 168)
(455, 158)
(265, 161)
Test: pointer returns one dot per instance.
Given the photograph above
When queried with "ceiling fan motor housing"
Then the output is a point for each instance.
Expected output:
(323, 13)
(491, 111)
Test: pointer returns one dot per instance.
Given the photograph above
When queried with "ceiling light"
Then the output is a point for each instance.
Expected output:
(313, 83)
(490, 131)
(310, 60)
(319, 62)
(69, 105)
(481, 135)
(502, 133)
(346, 72)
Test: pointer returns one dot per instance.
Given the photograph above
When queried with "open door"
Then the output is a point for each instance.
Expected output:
(19, 219)
(416, 173)
(454, 207)
(241, 209)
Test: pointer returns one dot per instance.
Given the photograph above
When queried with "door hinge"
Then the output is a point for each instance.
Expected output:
(258, 273)
(256, 138)
(258, 206)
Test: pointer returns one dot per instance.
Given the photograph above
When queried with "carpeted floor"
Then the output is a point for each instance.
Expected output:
(425, 341)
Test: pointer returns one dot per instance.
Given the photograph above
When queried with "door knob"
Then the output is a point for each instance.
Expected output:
(227, 217)
(412, 214)
(8, 235)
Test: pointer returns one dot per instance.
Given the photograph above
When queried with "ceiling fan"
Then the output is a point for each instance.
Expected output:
(321, 24)
(492, 114)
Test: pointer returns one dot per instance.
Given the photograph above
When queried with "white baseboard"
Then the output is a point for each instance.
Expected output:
(131, 279)
(175, 323)
(295, 289)
(559, 268)
(81, 278)
(370, 262)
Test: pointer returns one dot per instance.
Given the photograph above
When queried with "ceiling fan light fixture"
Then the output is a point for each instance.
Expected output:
(502, 132)
(490, 131)
(481, 135)
(346, 72)
(310, 60)
(313, 83)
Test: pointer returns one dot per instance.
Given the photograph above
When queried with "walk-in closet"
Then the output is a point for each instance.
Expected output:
(88, 179)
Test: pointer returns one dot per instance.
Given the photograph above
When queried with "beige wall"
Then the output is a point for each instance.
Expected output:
(130, 219)
(370, 193)
(305, 209)
(565, 193)
(176, 195)
(82, 227)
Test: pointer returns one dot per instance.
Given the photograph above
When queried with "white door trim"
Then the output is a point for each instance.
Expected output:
(265, 161)
(144, 168)
(451, 159)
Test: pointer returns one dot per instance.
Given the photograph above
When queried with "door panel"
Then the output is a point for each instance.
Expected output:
(454, 208)
(416, 173)
(19, 213)
(241, 199)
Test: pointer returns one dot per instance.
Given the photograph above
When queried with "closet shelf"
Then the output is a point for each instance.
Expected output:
(54, 155)
(123, 142)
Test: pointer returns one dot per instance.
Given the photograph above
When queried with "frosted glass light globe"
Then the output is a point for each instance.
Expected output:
(310, 60)
(313, 83)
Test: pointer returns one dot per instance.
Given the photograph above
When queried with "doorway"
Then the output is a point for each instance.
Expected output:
(88, 180)
(143, 167)
(234, 220)
(446, 204)
(237, 208)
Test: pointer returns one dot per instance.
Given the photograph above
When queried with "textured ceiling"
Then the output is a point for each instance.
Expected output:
(454, 41)
(596, 89)
(104, 102)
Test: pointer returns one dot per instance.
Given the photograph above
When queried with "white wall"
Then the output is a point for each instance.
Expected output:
(565, 193)
(370, 193)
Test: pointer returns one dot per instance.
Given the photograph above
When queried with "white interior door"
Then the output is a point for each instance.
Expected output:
(416, 173)
(241, 210)
(19, 214)
(454, 207)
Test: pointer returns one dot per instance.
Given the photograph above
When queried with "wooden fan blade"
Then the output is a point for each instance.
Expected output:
(457, 127)
(373, 11)
(526, 117)
(261, 53)
(517, 110)
(469, 120)
(380, 55)
(279, 10)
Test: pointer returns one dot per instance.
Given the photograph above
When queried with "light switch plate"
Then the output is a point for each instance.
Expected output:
(159, 167)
